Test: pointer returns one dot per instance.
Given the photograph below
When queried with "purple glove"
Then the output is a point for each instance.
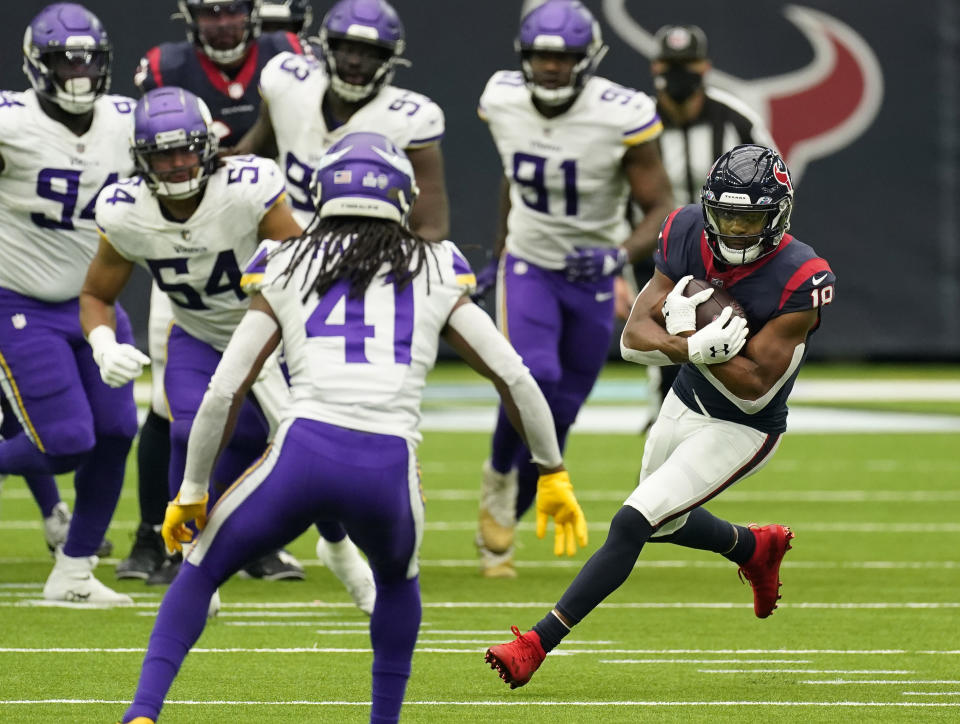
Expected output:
(486, 279)
(590, 263)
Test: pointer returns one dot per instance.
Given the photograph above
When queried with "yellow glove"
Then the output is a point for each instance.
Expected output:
(555, 499)
(174, 530)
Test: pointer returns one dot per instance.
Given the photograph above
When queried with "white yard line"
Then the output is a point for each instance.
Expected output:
(804, 671)
(895, 682)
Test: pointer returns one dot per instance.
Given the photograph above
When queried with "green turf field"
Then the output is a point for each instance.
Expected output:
(867, 629)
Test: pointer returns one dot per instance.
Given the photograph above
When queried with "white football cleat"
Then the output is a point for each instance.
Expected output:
(56, 526)
(497, 522)
(214, 607)
(72, 580)
(345, 562)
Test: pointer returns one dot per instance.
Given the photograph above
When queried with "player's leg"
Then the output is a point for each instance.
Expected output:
(270, 506)
(587, 310)
(153, 451)
(529, 316)
(382, 509)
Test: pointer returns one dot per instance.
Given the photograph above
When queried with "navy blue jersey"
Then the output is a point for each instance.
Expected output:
(234, 101)
(790, 279)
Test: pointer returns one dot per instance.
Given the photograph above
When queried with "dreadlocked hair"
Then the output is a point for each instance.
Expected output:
(353, 249)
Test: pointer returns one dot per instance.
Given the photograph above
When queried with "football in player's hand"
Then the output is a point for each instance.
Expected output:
(710, 309)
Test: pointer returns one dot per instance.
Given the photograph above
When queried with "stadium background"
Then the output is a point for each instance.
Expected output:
(865, 101)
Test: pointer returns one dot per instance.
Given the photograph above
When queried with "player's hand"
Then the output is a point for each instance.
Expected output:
(555, 499)
(118, 363)
(588, 264)
(174, 530)
(680, 312)
(623, 299)
(486, 279)
(719, 341)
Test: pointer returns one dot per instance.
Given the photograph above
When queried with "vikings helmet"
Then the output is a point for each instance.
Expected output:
(560, 26)
(748, 195)
(292, 15)
(364, 174)
(167, 119)
(251, 8)
(374, 22)
(66, 56)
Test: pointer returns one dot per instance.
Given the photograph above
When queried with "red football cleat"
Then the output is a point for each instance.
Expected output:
(517, 660)
(763, 568)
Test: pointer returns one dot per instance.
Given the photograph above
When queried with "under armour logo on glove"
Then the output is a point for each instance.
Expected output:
(718, 341)
(714, 352)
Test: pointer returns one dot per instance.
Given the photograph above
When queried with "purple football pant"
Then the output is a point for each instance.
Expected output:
(562, 331)
(43, 486)
(70, 419)
(312, 472)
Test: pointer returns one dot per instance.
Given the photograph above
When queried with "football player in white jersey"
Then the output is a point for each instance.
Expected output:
(192, 223)
(311, 103)
(573, 147)
(359, 303)
(60, 143)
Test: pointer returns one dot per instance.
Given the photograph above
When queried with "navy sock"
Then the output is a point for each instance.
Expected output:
(551, 631)
(705, 532)
(743, 550)
(153, 462)
(609, 567)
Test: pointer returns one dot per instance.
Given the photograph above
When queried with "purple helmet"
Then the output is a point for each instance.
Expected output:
(66, 56)
(292, 15)
(373, 22)
(168, 119)
(364, 174)
(560, 26)
(189, 9)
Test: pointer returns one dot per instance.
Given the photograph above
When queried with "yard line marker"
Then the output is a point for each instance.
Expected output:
(803, 671)
(931, 693)
(707, 661)
(500, 703)
(897, 682)
(812, 527)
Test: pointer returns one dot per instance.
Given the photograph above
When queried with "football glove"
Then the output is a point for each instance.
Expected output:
(486, 279)
(118, 363)
(555, 499)
(719, 341)
(174, 530)
(680, 312)
(591, 263)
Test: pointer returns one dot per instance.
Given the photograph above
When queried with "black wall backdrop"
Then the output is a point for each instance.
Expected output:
(862, 98)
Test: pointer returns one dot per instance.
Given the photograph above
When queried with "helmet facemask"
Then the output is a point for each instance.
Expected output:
(378, 64)
(245, 14)
(734, 219)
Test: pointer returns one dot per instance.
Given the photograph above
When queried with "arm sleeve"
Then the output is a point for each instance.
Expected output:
(476, 327)
(206, 434)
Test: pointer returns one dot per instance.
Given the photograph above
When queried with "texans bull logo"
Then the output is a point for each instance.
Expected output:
(843, 83)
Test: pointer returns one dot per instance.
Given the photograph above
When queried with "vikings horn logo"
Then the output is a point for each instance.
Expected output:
(843, 82)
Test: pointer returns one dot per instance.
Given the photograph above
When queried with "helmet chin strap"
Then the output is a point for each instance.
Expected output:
(225, 56)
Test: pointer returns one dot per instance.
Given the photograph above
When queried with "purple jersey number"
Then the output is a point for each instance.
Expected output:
(529, 172)
(62, 186)
(355, 331)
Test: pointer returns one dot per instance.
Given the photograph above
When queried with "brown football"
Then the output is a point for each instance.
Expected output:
(709, 310)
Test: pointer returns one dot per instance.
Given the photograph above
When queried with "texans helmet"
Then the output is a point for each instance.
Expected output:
(168, 119)
(294, 16)
(560, 26)
(373, 22)
(364, 174)
(747, 200)
(189, 10)
(66, 56)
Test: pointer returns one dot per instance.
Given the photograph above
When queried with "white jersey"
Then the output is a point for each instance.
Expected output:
(567, 184)
(48, 189)
(293, 87)
(362, 363)
(198, 262)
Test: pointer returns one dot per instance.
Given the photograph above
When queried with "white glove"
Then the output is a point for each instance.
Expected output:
(680, 312)
(118, 363)
(719, 341)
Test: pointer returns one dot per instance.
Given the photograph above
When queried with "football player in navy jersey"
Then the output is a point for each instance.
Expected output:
(220, 63)
(727, 410)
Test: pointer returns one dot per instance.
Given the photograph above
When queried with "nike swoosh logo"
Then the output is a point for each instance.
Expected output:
(603, 296)
(816, 281)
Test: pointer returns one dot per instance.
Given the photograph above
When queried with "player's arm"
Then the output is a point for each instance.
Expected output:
(278, 223)
(430, 217)
(106, 277)
(645, 340)
(503, 211)
(650, 188)
(254, 339)
(769, 358)
(259, 140)
(471, 332)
